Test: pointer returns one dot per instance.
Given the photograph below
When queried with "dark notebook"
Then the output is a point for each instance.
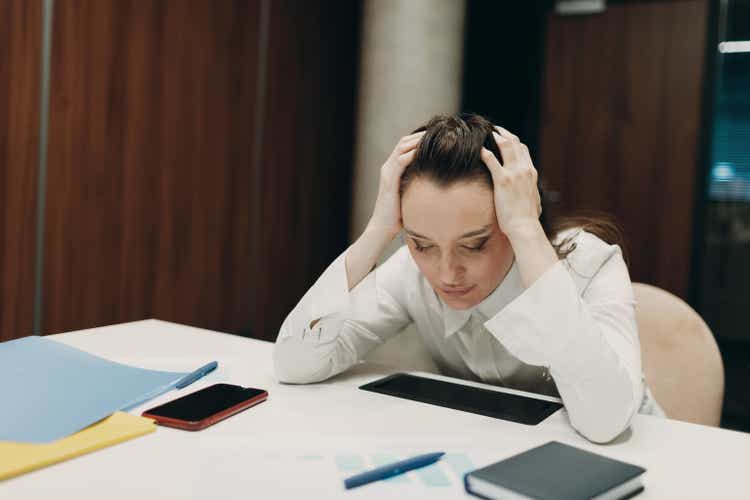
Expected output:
(556, 471)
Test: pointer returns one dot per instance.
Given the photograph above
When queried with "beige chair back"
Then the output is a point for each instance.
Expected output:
(681, 360)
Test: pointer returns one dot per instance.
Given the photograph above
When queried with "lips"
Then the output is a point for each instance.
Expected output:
(457, 291)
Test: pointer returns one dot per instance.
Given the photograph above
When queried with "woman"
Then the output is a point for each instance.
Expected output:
(495, 294)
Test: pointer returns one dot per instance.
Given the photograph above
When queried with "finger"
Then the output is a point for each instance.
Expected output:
(522, 155)
(492, 163)
(506, 133)
(409, 137)
(505, 145)
(525, 154)
(526, 160)
(407, 146)
(521, 151)
(538, 203)
(404, 160)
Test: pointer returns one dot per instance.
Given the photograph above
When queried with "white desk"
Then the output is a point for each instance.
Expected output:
(287, 447)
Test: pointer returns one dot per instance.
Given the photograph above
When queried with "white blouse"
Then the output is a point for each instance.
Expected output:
(572, 333)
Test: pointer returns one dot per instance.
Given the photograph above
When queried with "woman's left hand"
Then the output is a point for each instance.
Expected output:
(517, 202)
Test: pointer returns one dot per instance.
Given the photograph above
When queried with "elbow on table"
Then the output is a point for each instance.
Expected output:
(606, 430)
(294, 364)
(606, 422)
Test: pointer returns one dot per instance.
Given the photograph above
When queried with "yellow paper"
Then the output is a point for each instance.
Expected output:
(18, 458)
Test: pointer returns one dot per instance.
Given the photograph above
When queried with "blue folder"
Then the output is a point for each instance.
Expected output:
(49, 390)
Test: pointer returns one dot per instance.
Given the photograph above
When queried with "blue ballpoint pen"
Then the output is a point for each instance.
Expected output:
(195, 375)
(390, 470)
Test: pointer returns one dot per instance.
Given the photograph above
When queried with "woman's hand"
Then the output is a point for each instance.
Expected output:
(386, 217)
(518, 206)
(385, 222)
(517, 202)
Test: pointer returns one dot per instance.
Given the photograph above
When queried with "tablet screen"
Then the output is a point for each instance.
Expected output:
(520, 409)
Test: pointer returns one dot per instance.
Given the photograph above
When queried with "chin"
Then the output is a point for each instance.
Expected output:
(459, 304)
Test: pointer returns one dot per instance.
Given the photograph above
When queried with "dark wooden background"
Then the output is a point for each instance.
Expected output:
(610, 105)
(306, 181)
(620, 126)
(150, 170)
(201, 174)
(20, 59)
(166, 196)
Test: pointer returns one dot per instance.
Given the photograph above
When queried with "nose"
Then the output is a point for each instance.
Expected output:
(450, 270)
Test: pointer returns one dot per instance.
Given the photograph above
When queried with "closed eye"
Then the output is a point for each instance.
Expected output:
(478, 247)
(418, 247)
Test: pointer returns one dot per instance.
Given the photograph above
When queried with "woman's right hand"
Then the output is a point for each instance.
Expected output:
(386, 217)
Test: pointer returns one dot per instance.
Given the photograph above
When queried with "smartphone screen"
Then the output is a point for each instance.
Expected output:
(205, 402)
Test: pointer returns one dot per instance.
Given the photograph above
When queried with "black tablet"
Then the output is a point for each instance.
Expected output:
(520, 409)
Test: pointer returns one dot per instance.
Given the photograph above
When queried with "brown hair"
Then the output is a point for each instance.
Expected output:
(449, 152)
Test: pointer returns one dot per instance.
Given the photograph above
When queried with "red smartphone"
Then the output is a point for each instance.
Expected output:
(205, 407)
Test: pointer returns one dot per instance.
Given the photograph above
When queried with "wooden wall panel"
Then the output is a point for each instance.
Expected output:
(20, 58)
(620, 125)
(307, 151)
(150, 163)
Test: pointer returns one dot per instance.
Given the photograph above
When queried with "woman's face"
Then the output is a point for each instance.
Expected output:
(453, 236)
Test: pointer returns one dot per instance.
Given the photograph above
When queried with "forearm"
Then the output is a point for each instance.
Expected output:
(332, 327)
(317, 354)
(587, 339)
(365, 252)
(590, 356)
(602, 401)
(534, 253)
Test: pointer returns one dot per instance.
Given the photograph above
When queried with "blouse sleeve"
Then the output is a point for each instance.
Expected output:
(578, 320)
(349, 322)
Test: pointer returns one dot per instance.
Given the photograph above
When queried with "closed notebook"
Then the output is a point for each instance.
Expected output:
(556, 471)
(18, 458)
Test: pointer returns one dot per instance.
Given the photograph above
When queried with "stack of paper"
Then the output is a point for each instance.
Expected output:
(59, 402)
(50, 390)
(17, 458)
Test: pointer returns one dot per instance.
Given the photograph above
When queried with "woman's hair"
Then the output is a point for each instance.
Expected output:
(449, 152)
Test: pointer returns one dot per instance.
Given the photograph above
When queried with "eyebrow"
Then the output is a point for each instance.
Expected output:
(478, 232)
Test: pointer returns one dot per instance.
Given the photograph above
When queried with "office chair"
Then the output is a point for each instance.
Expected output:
(681, 360)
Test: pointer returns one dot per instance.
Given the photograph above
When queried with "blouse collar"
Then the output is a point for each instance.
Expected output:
(508, 289)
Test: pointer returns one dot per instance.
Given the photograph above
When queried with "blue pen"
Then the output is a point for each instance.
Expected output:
(390, 470)
(195, 375)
